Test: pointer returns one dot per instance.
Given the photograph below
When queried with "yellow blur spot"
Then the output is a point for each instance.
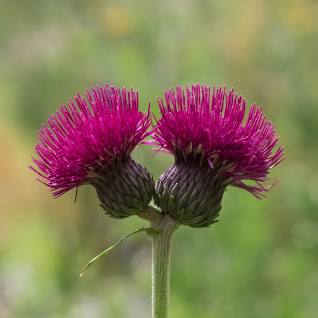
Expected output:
(116, 21)
(302, 18)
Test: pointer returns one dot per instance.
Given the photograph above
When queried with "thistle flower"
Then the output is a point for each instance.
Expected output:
(214, 147)
(89, 141)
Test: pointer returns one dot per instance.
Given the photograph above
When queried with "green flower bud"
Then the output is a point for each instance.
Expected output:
(191, 194)
(124, 189)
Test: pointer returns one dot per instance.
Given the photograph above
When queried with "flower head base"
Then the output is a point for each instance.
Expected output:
(90, 136)
(125, 189)
(205, 127)
(191, 194)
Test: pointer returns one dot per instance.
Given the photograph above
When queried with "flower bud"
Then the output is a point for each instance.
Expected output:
(124, 188)
(191, 194)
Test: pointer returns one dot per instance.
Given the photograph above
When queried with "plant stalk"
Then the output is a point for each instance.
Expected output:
(161, 252)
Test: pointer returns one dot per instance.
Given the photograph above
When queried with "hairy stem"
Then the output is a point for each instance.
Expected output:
(161, 251)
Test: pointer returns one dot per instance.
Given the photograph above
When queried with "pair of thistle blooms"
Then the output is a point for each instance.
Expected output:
(214, 144)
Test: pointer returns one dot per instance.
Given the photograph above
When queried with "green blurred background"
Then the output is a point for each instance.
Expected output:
(261, 259)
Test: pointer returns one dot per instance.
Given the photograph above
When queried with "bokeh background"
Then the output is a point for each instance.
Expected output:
(261, 259)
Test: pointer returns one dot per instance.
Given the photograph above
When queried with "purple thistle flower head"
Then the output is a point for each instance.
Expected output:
(89, 139)
(207, 131)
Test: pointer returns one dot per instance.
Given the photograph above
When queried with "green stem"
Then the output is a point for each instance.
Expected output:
(161, 251)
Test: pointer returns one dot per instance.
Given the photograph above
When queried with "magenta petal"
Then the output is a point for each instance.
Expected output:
(206, 124)
(89, 133)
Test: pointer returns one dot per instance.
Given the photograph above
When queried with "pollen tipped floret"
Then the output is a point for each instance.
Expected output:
(206, 130)
(205, 124)
(89, 135)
